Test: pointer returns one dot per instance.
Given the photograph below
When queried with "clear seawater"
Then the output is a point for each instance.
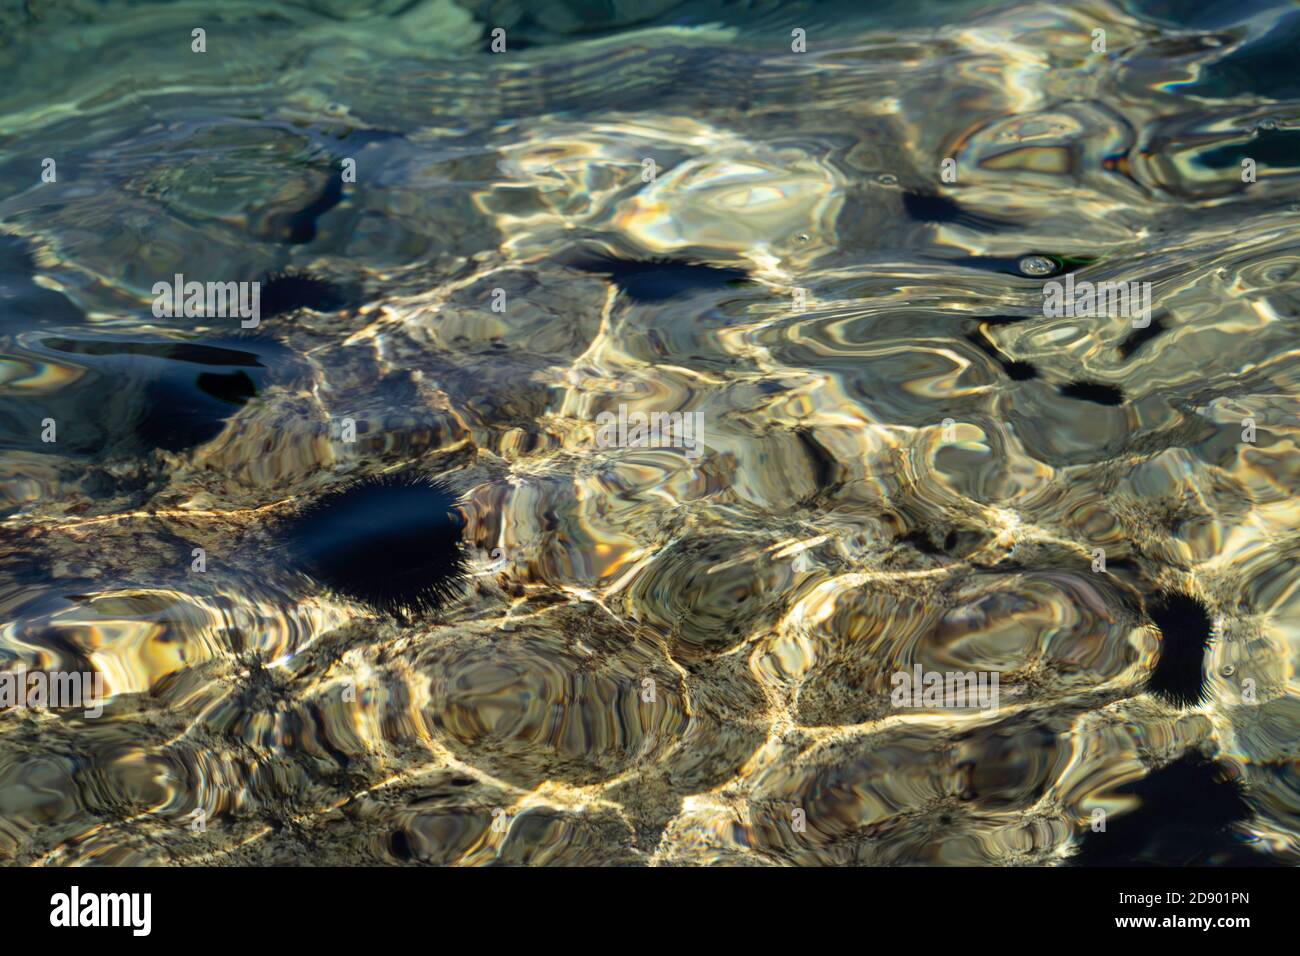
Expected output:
(651, 657)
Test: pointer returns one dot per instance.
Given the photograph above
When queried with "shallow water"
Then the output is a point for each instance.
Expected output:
(677, 655)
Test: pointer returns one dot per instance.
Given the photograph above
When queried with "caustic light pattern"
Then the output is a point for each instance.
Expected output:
(950, 513)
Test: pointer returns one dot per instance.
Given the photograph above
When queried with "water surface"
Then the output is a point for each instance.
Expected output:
(654, 657)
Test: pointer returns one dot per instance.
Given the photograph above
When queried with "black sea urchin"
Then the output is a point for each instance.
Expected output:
(392, 542)
(658, 280)
(1179, 674)
(288, 291)
(1185, 816)
(1097, 392)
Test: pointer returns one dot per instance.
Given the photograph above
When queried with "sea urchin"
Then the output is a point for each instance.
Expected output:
(391, 541)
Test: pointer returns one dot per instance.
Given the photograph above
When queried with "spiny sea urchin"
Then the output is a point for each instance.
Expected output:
(1185, 814)
(390, 541)
(1179, 674)
(657, 280)
(287, 291)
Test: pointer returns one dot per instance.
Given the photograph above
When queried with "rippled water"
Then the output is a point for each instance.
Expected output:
(655, 656)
